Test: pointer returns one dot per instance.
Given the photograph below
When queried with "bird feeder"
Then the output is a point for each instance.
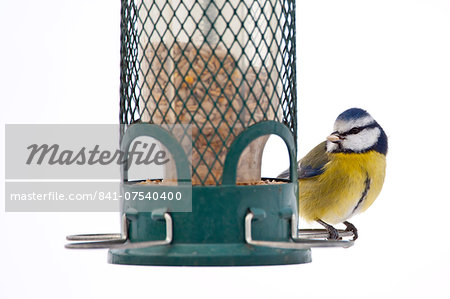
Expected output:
(226, 69)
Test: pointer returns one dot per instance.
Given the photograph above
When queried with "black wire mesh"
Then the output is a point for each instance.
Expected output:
(220, 66)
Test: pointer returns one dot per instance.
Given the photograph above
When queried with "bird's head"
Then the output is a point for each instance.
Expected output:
(355, 131)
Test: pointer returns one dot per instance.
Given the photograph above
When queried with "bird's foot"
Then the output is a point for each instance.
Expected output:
(333, 233)
(351, 228)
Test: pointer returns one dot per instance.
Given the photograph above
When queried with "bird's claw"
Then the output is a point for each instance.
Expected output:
(351, 228)
(333, 233)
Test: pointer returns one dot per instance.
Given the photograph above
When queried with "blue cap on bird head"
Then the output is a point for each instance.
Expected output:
(357, 131)
(352, 113)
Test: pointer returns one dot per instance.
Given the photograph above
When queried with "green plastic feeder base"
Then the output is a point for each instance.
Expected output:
(208, 255)
(213, 233)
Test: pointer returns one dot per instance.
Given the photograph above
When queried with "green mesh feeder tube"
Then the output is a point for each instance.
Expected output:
(225, 69)
(220, 66)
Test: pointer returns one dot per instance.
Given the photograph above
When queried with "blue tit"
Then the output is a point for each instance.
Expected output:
(342, 176)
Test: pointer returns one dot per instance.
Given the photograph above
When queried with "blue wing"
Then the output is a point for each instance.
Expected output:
(313, 164)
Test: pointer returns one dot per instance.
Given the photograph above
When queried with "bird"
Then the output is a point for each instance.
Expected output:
(343, 175)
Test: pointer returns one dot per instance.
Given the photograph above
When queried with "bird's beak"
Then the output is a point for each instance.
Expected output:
(334, 138)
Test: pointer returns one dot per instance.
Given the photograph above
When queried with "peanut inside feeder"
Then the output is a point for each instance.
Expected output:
(195, 68)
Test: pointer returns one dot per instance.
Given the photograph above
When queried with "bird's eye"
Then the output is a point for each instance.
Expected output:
(355, 130)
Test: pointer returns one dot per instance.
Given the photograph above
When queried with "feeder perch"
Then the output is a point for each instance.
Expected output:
(226, 70)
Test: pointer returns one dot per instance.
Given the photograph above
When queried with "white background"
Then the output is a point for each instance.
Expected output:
(59, 63)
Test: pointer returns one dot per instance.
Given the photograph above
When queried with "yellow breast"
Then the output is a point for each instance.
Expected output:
(349, 185)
